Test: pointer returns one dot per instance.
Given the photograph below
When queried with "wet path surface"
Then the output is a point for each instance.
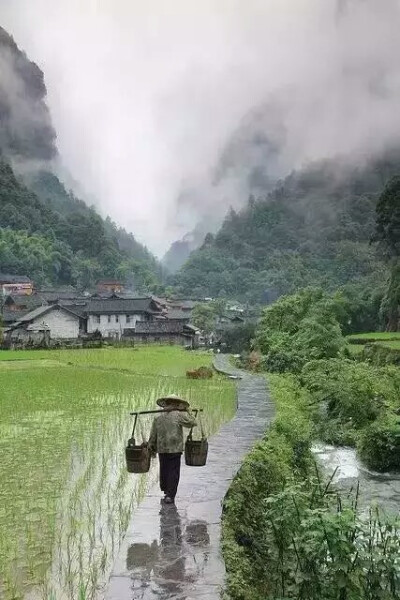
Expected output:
(173, 552)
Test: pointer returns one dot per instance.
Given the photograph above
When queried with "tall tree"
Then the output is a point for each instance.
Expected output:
(203, 316)
(388, 237)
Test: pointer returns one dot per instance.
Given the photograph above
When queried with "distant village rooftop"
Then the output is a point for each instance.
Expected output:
(6, 278)
(115, 305)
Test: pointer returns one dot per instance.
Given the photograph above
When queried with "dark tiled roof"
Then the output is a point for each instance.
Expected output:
(10, 316)
(33, 314)
(38, 312)
(76, 309)
(7, 278)
(30, 301)
(177, 314)
(55, 295)
(188, 304)
(114, 306)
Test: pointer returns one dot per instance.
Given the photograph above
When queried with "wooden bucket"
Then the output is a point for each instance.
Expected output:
(196, 452)
(138, 458)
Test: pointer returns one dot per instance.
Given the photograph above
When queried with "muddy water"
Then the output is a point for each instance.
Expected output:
(381, 489)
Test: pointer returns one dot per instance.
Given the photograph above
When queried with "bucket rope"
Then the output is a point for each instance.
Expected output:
(202, 432)
(142, 431)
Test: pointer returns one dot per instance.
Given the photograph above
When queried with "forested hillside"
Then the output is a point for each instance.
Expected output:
(55, 238)
(313, 229)
(45, 231)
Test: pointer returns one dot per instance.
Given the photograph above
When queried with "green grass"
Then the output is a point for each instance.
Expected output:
(65, 495)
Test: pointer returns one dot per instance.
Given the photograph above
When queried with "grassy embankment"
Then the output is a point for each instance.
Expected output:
(286, 534)
(66, 497)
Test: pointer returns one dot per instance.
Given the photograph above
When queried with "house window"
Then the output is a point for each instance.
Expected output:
(128, 318)
(97, 319)
(117, 318)
(109, 318)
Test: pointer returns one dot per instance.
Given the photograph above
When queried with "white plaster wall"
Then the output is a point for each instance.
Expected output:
(60, 323)
(111, 328)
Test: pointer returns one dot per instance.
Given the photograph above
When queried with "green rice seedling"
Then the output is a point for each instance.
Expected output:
(66, 497)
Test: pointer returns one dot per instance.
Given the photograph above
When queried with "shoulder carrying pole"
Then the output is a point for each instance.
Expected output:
(161, 410)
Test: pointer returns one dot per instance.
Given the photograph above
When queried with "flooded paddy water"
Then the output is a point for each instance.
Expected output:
(65, 496)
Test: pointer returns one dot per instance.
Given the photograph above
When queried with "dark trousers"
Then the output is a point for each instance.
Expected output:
(170, 470)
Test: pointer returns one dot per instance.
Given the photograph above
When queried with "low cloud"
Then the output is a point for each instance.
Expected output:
(167, 113)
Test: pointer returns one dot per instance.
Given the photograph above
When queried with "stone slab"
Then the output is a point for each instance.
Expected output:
(173, 552)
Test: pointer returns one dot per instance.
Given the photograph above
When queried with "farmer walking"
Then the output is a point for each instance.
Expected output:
(166, 439)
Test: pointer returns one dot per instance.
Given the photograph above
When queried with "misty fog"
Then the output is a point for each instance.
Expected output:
(159, 107)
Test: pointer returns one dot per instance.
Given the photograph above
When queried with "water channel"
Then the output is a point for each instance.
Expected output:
(376, 489)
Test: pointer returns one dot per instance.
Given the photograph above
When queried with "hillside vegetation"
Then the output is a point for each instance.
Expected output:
(57, 239)
(313, 229)
(45, 231)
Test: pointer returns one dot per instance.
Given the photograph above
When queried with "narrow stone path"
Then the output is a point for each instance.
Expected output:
(173, 552)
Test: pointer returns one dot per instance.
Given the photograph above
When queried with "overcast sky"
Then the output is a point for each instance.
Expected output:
(144, 94)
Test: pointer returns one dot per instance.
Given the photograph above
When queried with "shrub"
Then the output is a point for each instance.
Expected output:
(379, 444)
(319, 337)
(312, 545)
(282, 361)
(299, 328)
(353, 393)
(381, 355)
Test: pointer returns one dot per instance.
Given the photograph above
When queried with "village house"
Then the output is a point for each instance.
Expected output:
(15, 306)
(50, 322)
(109, 286)
(21, 304)
(144, 319)
(15, 284)
(112, 316)
(166, 332)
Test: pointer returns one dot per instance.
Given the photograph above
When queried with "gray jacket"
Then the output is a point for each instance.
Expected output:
(167, 431)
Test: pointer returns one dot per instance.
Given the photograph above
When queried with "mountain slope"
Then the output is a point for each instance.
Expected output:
(68, 241)
(313, 229)
(26, 131)
(84, 247)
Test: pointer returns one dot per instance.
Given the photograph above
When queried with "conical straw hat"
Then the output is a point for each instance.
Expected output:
(172, 399)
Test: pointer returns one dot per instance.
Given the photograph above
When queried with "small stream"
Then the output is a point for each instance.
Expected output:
(381, 489)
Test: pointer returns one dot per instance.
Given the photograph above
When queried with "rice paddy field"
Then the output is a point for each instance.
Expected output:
(383, 338)
(65, 495)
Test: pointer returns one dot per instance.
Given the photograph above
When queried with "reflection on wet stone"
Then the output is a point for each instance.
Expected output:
(171, 564)
(142, 555)
(164, 561)
(197, 534)
(173, 552)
